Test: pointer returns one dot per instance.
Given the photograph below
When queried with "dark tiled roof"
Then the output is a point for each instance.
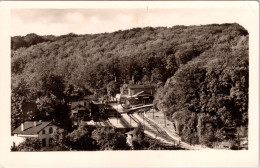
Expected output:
(134, 86)
(30, 129)
(76, 103)
(78, 107)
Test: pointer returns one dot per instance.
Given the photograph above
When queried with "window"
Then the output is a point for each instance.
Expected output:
(85, 103)
(50, 141)
(43, 131)
(43, 142)
(50, 130)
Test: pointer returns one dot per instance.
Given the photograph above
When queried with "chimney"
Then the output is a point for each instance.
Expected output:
(22, 127)
(133, 79)
(34, 123)
(115, 76)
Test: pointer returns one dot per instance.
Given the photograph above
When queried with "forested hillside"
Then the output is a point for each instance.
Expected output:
(201, 73)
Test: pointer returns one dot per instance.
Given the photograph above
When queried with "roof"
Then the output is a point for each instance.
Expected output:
(143, 95)
(135, 86)
(78, 106)
(77, 103)
(130, 132)
(30, 129)
(77, 99)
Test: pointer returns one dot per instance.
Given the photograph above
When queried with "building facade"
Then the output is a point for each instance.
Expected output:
(80, 110)
(42, 130)
(132, 89)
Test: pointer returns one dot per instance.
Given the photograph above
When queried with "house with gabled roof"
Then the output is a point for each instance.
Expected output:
(80, 110)
(132, 89)
(44, 130)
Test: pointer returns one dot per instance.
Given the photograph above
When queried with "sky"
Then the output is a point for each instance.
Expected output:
(99, 20)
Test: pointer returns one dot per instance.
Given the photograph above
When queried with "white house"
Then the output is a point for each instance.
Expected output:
(38, 129)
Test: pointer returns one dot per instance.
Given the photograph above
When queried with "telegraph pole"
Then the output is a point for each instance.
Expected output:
(164, 119)
(143, 120)
(130, 121)
(117, 117)
(117, 114)
(153, 112)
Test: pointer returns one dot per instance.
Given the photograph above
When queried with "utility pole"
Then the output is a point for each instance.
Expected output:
(153, 112)
(164, 119)
(143, 120)
(130, 121)
(117, 117)
(238, 140)
(117, 114)
(77, 119)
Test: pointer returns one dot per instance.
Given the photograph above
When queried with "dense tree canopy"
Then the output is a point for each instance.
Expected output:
(93, 61)
(210, 93)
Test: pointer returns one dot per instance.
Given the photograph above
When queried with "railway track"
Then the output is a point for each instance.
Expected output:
(124, 123)
(107, 123)
(141, 123)
(160, 131)
(152, 129)
(182, 144)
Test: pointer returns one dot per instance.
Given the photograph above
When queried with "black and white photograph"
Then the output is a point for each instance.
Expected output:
(143, 78)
